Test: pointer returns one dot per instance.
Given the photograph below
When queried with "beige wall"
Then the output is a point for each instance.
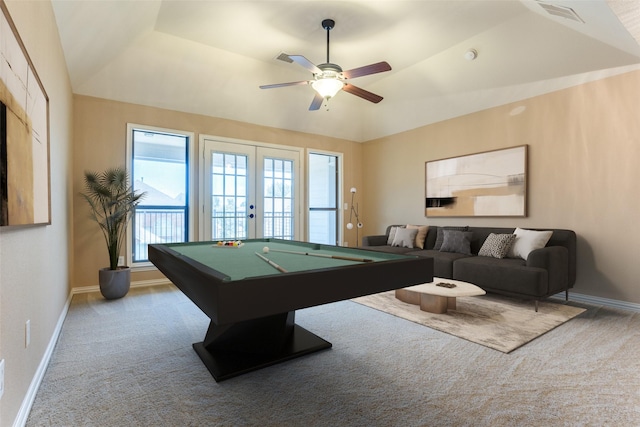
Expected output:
(100, 142)
(584, 153)
(35, 261)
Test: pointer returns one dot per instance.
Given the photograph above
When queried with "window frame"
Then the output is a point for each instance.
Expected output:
(192, 201)
(340, 208)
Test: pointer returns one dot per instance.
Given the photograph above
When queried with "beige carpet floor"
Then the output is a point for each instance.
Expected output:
(129, 362)
(497, 322)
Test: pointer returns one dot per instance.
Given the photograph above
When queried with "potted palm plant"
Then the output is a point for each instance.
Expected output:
(112, 201)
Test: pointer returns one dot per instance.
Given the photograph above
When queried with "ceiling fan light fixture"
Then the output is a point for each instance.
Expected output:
(329, 79)
(327, 87)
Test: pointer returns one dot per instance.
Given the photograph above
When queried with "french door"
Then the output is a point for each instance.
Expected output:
(250, 191)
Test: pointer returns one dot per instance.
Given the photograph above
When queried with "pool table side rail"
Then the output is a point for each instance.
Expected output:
(227, 302)
(259, 297)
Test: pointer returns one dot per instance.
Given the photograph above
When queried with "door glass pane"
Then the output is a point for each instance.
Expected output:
(241, 186)
(229, 201)
(278, 198)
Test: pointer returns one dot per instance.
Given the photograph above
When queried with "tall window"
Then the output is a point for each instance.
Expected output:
(324, 181)
(160, 167)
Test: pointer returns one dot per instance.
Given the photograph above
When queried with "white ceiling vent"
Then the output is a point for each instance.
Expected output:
(561, 11)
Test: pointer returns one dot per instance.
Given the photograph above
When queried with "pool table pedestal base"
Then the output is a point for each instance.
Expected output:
(235, 349)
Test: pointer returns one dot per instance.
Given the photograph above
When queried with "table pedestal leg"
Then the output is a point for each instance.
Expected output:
(238, 348)
(437, 304)
(408, 296)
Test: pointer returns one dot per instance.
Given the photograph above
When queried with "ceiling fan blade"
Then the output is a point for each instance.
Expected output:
(284, 57)
(301, 60)
(366, 70)
(364, 94)
(303, 82)
(316, 103)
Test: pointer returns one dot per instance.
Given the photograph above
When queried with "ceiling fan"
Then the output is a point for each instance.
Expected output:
(328, 79)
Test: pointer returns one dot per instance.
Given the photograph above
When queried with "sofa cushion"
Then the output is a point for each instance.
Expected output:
(440, 235)
(442, 261)
(509, 276)
(392, 249)
(405, 237)
(527, 241)
(457, 241)
(497, 245)
(422, 233)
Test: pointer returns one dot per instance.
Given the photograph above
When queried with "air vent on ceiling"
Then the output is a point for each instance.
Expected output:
(561, 11)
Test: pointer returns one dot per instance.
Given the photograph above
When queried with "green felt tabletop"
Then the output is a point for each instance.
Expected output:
(242, 262)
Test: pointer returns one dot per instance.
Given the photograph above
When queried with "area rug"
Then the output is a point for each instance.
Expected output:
(500, 323)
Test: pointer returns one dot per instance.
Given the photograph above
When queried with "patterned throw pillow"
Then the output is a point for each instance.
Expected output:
(440, 235)
(497, 245)
(457, 241)
(405, 237)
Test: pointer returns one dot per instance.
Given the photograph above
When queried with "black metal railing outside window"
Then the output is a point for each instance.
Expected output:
(157, 224)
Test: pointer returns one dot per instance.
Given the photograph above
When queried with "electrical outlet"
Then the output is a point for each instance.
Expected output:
(1, 378)
(345, 244)
(27, 333)
(120, 261)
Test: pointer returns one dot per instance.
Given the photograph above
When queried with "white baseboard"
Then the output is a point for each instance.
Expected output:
(136, 284)
(29, 398)
(27, 402)
(588, 299)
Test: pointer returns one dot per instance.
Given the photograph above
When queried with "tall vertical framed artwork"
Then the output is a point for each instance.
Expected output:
(492, 183)
(24, 134)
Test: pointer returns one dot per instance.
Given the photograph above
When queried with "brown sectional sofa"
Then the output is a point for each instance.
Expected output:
(545, 272)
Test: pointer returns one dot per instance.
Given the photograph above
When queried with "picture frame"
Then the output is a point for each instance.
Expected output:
(25, 192)
(486, 184)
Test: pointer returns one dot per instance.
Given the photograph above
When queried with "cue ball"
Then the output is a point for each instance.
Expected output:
(265, 249)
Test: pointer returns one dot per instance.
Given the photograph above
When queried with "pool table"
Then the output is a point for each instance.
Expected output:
(250, 293)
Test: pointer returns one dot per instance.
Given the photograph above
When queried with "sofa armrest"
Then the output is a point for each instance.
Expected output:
(379, 240)
(554, 259)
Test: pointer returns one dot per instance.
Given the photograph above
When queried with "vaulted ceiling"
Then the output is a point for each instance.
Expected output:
(210, 57)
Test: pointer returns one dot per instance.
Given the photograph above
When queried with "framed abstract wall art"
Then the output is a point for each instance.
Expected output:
(24, 134)
(493, 183)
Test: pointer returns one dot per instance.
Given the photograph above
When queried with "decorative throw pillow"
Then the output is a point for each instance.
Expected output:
(405, 237)
(422, 233)
(527, 241)
(457, 241)
(497, 245)
(392, 234)
(440, 235)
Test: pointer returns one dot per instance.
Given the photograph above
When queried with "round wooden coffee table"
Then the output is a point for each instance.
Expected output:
(439, 295)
